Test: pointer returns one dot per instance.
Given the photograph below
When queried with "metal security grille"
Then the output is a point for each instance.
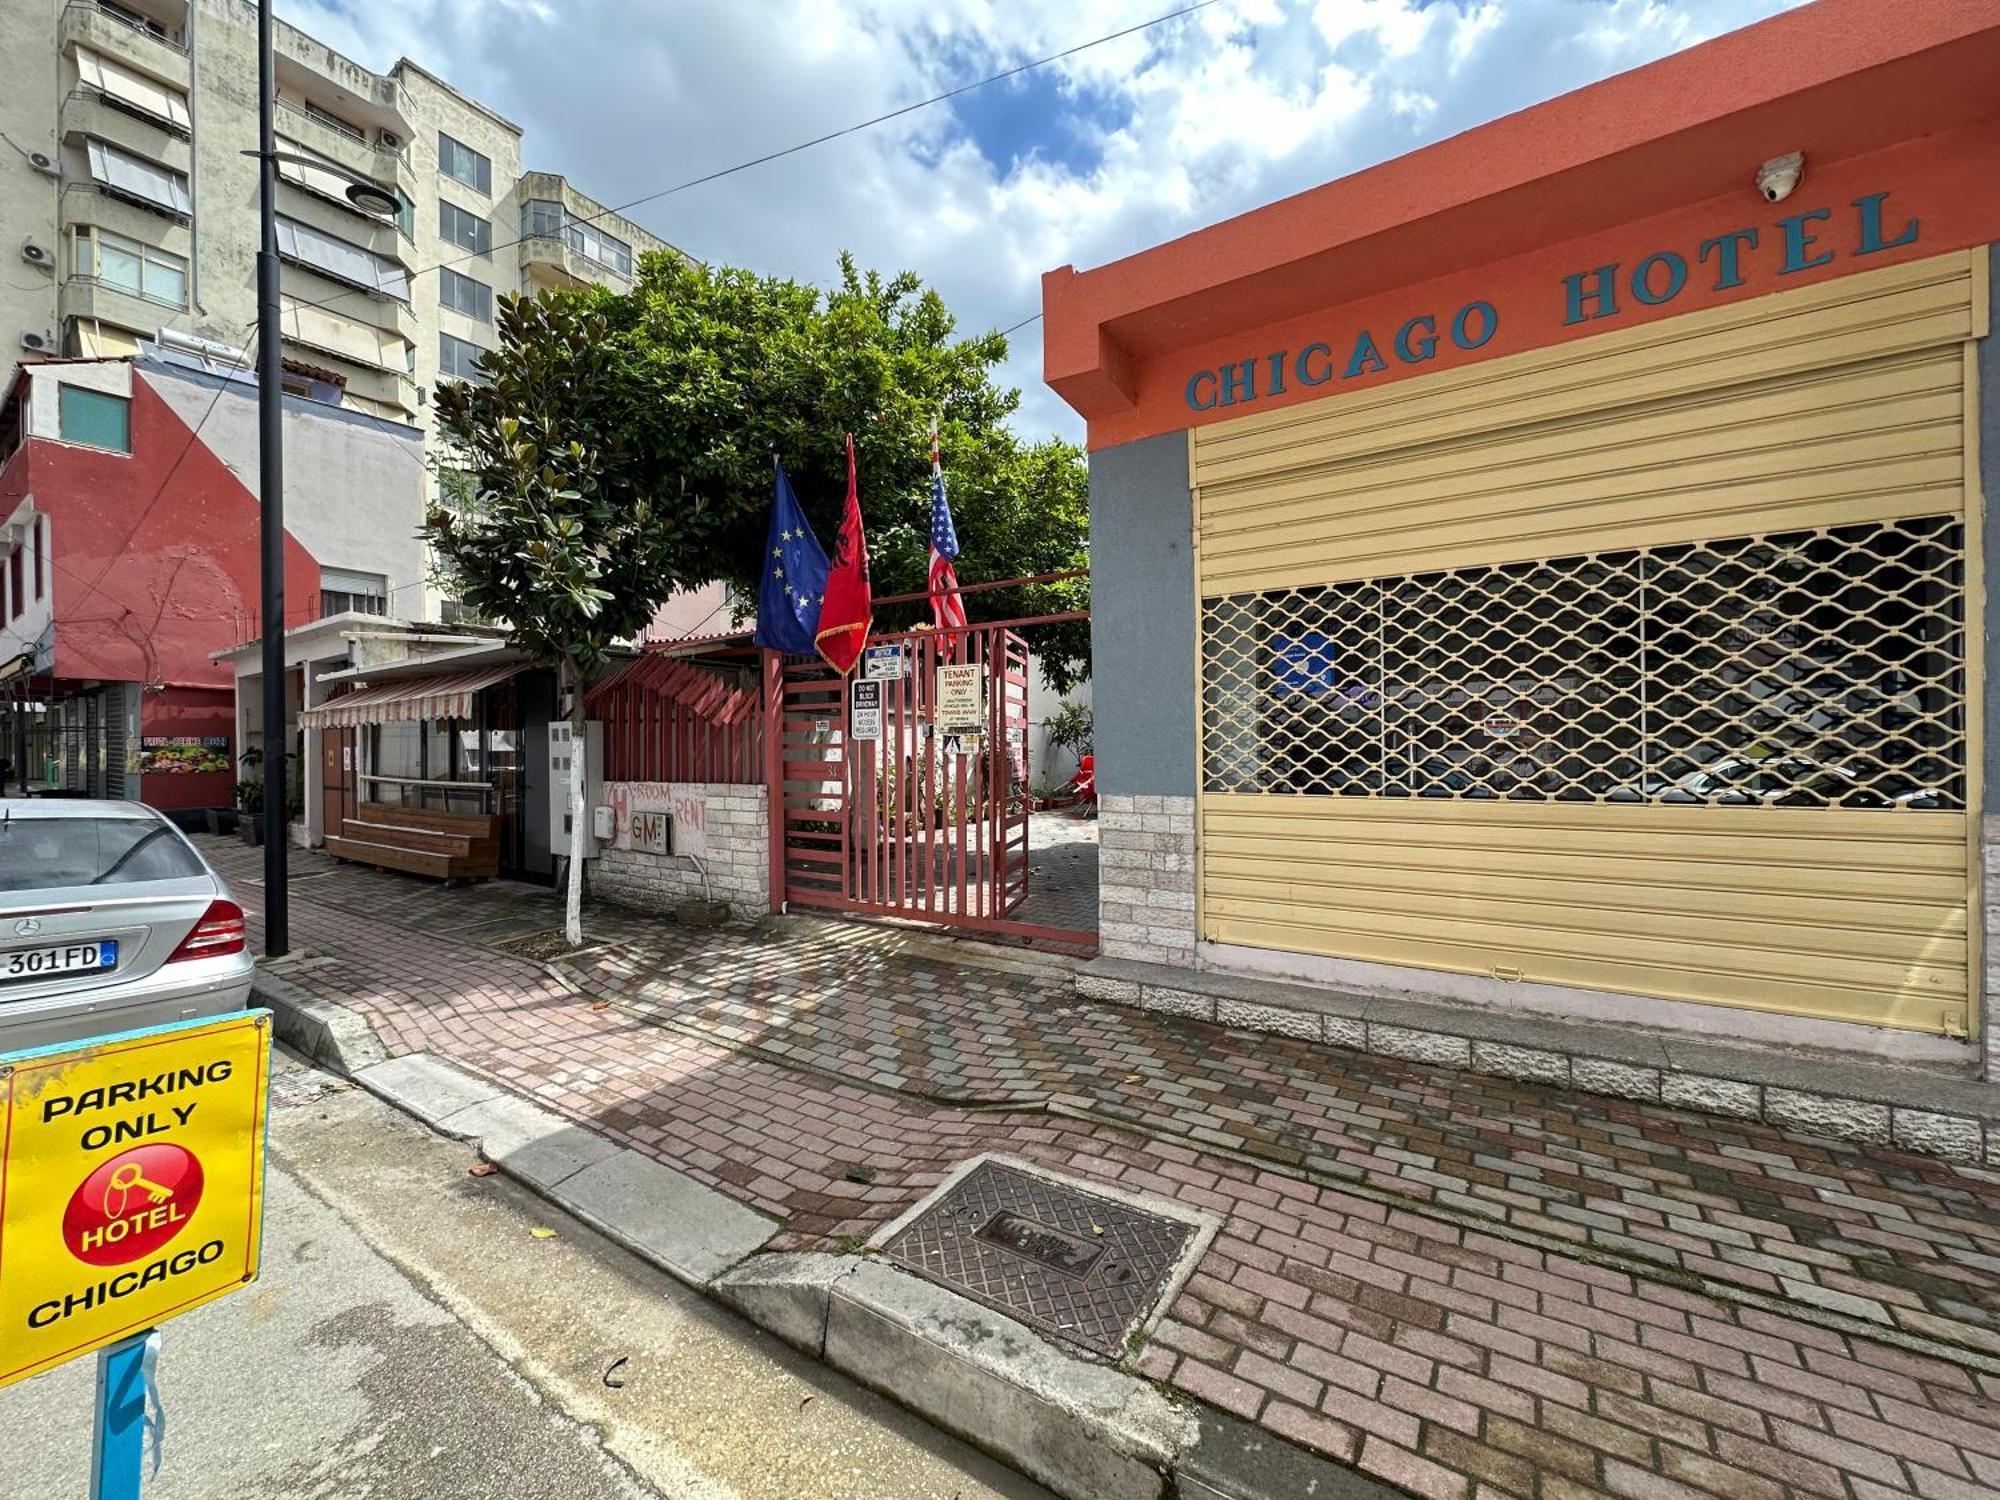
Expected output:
(1808, 668)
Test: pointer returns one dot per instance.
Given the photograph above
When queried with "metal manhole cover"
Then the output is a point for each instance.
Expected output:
(1068, 1263)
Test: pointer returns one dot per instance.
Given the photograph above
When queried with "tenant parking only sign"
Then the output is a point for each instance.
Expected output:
(131, 1183)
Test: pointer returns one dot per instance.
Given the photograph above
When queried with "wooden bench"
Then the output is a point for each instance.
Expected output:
(447, 846)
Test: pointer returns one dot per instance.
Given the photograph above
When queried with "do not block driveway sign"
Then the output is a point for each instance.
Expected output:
(131, 1183)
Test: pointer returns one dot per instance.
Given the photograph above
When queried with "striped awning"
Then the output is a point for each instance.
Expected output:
(407, 700)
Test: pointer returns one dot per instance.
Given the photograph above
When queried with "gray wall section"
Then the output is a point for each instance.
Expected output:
(1989, 485)
(1142, 604)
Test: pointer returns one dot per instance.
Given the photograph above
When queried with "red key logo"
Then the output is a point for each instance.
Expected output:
(132, 1204)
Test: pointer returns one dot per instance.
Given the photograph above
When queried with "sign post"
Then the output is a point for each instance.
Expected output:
(119, 1445)
(131, 1191)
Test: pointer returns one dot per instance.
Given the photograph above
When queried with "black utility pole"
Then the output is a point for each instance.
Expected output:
(271, 486)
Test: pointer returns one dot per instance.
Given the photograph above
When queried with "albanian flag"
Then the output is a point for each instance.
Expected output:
(847, 610)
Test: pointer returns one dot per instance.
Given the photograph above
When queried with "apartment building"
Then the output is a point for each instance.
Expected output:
(125, 195)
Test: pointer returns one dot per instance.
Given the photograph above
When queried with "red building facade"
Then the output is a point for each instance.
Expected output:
(132, 556)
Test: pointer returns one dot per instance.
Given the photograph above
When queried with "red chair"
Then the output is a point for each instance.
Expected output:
(1084, 785)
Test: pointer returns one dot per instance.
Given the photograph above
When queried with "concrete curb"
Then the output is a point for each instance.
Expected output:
(1869, 1104)
(1086, 1430)
(330, 1034)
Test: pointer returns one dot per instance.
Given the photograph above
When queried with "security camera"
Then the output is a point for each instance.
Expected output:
(1779, 177)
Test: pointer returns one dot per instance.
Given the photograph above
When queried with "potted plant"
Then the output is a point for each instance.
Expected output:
(250, 811)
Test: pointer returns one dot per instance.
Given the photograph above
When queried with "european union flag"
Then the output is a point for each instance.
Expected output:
(794, 577)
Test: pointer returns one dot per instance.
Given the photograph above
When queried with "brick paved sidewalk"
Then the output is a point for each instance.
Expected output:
(1467, 1286)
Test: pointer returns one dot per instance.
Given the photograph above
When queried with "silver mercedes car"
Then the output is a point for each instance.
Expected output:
(110, 920)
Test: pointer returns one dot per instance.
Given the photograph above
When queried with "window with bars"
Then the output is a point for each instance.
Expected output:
(1821, 668)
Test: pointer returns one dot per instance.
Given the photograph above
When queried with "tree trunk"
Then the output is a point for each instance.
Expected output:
(579, 818)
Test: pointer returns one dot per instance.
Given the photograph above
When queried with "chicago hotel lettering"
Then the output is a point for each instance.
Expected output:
(1798, 242)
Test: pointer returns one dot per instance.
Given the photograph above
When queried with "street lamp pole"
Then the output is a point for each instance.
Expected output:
(271, 487)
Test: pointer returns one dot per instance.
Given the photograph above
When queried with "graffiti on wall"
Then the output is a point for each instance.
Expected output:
(637, 806)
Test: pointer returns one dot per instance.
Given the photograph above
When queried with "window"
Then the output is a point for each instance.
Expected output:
(143, 270)
(458, 360)
(550, 220)
(41, 556)
(1815, 668)
(406, 215)
(463, 294)
(461, 163)
(95, 419)
(463, 229)
(133, 91)
(39, 854)
(17, 582)
(341, 591)
(307, 246)
(126, 176)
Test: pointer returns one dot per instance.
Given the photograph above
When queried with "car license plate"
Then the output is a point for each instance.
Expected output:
(74, 958)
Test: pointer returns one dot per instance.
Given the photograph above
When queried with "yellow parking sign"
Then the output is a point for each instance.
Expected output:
(131, 1183)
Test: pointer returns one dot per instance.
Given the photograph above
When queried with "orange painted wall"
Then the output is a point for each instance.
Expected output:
(1948, 184)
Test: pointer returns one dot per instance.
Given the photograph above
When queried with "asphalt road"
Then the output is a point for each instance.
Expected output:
(411, 1339)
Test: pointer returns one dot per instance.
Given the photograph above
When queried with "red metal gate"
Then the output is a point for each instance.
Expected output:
(917, 823)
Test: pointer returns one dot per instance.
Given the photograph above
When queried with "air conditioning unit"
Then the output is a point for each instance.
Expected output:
(39, 343)
(389, 140)
(37, 255)
(44, 163)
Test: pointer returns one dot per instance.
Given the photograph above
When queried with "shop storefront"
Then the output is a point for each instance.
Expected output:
(1583, 613)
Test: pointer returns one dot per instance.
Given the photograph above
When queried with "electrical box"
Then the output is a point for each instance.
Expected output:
(560, 752)
(604, 824)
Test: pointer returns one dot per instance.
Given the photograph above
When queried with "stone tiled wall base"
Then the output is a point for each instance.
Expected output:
(1145, 892)
(1869, 1104)
(738, 861)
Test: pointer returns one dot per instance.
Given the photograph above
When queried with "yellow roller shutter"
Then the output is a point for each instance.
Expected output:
(1638, 664)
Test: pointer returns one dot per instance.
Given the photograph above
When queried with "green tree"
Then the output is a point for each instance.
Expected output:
(721, 368)
(619, 449)
(537, 525)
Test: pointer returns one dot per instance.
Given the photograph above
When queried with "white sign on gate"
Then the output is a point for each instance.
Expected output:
(864, 711)
(961, 698)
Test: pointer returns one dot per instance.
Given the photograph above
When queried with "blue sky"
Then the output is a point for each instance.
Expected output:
(1100, 155)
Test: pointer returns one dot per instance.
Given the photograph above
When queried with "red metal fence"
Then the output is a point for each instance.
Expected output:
(670, 720)
(911, 822)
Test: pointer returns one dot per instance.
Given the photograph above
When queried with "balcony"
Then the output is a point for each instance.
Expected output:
(341, 220)
(356, 153)
(323, 296)
(84, 203)
(85, 113)
(161, 56)
(89, 297)
(383, 389)
(550, 262)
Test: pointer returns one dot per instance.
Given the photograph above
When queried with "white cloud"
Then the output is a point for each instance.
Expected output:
(1190, 122)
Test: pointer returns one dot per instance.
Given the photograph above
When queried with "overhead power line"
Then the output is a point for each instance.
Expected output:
(818, 140)
(667, 192)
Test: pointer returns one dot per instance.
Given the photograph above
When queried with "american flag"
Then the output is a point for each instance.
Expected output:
(947, 604)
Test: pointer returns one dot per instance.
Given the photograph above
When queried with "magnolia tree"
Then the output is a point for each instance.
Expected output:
(618, 449)
(531, 527)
